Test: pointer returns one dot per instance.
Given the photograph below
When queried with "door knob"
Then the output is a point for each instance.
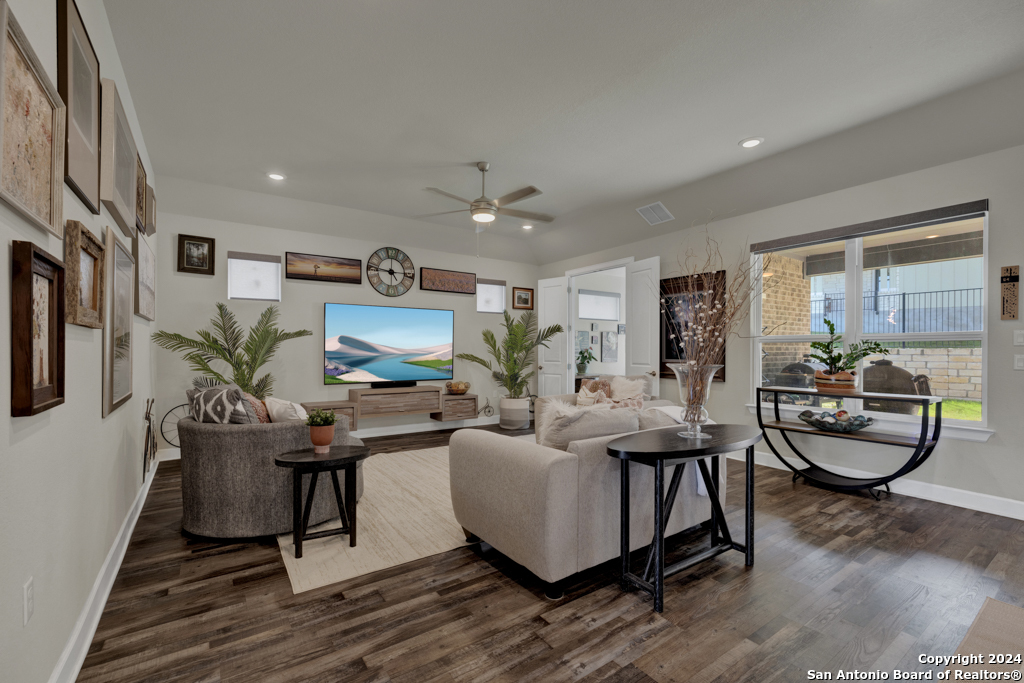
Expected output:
(540, 367)
(652, 373)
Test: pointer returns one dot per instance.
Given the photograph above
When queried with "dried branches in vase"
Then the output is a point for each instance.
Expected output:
(703, 312)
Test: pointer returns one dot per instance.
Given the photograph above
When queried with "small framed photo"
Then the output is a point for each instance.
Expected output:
(593, 327)
(622, 328)
(150, 212)
(595, 340)
(85, 278)
(522, 298)
(140, 195)
(37, 330)
(196, 254)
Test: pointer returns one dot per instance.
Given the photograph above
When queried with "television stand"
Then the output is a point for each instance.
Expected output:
(396, 401)
(393, 385)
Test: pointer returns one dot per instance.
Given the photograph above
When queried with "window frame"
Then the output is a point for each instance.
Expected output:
(491, 283)
(258, 258)
(853, 322)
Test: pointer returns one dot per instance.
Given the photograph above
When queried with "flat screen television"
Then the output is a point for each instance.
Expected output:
(377, 344)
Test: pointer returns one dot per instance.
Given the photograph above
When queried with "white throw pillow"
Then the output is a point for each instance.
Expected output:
(623, 387)
(575, 424)
(284, 411)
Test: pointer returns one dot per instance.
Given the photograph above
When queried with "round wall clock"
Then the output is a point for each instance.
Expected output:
(390, 271)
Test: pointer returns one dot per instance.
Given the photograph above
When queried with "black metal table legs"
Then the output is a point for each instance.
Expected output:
(655, 571)
(346, 506)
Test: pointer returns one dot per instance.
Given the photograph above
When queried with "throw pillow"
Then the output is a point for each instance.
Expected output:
(575, 424)
(284, 411)
(260, 410)
(596, 385)
(586, 397)
(635, 402)
(218, 405)
(624, 387)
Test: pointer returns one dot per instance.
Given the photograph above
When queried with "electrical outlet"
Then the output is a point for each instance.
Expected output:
(29, 595)
(1018, 337)
(1018, 361)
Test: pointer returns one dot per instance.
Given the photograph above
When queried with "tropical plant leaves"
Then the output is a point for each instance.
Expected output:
(515, 353)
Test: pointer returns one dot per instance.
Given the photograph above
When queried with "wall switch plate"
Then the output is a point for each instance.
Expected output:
(29, 599)
(1018, 361)
(1018, 337)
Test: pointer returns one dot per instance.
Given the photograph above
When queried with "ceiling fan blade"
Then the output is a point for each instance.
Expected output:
(442, 213)
(528, 215)
(516, 196)
(449, 194)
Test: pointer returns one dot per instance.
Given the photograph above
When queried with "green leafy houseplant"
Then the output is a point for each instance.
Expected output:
(515, 354)
(244, 355)
(321, 418)
(584, 358)
(831, 351)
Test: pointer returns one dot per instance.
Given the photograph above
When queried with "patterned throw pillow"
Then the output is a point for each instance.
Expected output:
(219, 405)
(257, 407)
(586, 397)
(632, 402)
(596, 385)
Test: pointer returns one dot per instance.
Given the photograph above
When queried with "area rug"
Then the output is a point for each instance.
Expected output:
(405, 514)
(998, 629)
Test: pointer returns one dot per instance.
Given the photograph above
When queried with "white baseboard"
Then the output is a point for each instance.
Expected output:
(168, 454)
(71, 659)
(961, 498)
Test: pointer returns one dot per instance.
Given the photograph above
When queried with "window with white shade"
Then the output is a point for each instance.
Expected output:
(595, 305)
(490, 296)
(254, 276)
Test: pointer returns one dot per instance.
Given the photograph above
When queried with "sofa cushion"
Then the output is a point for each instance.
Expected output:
(567, 423)
(651, 418)
(218, 405)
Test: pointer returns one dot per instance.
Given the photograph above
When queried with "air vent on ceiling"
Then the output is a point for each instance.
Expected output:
(655, 213)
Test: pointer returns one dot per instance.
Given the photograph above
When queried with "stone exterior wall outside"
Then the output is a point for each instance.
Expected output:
(785, 307)
(952, 373)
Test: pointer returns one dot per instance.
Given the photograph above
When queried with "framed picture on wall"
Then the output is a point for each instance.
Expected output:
(672, 291)
(150, 211)
(118, 162)
(196, 254)
(78, 82)
(582, 340)
(145, 278)
(117, 333)
(140, 195)
(609, 347)
(522, 298)
(454, 281)
(37, 330)
(85, 276)
(323, 268)
(32, 173)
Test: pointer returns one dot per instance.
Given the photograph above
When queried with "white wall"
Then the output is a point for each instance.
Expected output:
(613, 280)
(69, 476)
(994, 467)
(186, 301)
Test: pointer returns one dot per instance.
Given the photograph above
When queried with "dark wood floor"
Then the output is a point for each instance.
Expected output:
(841, 582)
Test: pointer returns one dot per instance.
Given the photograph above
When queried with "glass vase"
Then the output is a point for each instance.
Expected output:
(694, 391)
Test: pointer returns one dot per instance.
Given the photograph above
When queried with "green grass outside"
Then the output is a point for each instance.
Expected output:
(952, 409)
(437, 363)
(331, 379)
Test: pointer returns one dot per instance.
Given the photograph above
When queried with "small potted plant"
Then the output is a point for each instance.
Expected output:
(840, 373)
(321, 429)
(584, 358)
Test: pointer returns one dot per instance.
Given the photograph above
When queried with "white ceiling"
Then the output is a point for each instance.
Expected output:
(364, 103)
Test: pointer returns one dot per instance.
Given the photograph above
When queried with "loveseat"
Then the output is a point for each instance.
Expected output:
(557, 512)
(231, 487)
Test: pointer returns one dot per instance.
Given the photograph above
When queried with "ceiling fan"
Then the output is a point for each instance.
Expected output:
(484, 210)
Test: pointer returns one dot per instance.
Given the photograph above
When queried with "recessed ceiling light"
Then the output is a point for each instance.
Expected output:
(275, 176)
(527, 227)
(751, 142)
(931, 237)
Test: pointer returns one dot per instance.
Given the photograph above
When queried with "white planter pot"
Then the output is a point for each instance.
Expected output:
(514, 413)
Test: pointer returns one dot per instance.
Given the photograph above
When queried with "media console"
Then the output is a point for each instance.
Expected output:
(392, 401)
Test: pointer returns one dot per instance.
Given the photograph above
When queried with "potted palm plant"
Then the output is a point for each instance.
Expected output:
(840, 372)
(513, 358)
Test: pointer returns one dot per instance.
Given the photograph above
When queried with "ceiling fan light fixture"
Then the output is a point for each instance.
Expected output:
(483, 214)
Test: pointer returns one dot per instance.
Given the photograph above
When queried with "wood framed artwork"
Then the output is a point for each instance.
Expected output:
(683, 293)
(150, 211)
(31, 130)
(118, 161)
(145, 278)
(117, 333)
(37, 330)
(323, 268)
(140, 195)
(454, 281)
(78, 82)
(85, 276)
(522, 298)
(196, 254)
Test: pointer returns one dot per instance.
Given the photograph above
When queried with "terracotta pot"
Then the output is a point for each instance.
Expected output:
(321, 438)
(514, 413)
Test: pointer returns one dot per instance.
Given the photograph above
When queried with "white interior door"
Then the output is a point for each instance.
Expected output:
(643, 325)
(553, 361)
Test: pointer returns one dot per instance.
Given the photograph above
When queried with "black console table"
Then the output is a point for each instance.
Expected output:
(660, 447)
(923, 444)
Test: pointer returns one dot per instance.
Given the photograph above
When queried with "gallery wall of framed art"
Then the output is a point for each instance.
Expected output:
(118, 161)
(78, 83)
(85, 276)
(37, 330)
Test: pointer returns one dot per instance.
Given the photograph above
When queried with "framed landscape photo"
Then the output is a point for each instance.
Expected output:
(453, 281)
(85, 276)
(118, 161)
(78, 82)
(31, 132)
(117, 333)
(140, 195)
(323, 268)
(522, 298)
(37, 330)
(196, 254)
(145, 278)
(150, 212)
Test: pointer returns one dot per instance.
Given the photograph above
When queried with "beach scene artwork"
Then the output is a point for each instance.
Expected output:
(323, 268)
(384, 344)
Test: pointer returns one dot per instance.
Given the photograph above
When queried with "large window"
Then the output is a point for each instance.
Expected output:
(595, 305)
(919, 291)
